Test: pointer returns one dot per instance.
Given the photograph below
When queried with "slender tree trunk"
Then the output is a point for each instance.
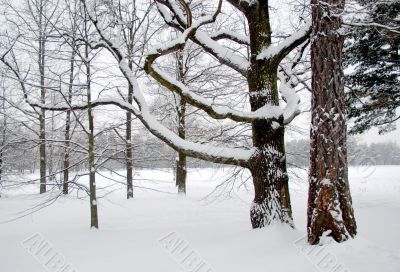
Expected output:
(181, 163)
(91, 156)
(3, 139)
(50, 155)
(92, 171)
(66, 163)
(42, 152)
(128, 138)
(268, 167)
(329, 201)
(42, 116)
(181, 172)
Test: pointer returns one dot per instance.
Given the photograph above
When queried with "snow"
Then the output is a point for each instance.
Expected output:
(273, 50)
(242, 38)
(216, 230)
(326, 182)
(222, 52)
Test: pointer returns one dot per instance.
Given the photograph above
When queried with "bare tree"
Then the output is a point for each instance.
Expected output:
(268, 163)
(34, 20)
(134, 22)
(266, 159)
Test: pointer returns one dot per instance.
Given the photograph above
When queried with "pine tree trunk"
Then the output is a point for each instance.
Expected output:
(329, 203)
(268, 167)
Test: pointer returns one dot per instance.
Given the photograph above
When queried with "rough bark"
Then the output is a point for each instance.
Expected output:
(330, 209)
(268, 167)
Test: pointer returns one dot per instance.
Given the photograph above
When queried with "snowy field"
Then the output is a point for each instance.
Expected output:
(162, 232)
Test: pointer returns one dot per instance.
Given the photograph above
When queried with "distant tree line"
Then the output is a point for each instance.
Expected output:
(386, 153)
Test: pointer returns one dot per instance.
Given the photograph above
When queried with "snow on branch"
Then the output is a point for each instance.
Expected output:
(230, 35)
(242, 5)
(166, 15)
(215, 111)
(232, 156)
(287, 89)
(271, 112)
(375, 25)
(223, 54)
(279, 51)
(210, 45)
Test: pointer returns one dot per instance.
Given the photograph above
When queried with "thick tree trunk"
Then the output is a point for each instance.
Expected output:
(268, 167)
(329, 203)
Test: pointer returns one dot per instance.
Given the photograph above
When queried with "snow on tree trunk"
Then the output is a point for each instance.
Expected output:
(268, 166)
(42, 114)
(66, 163)
(266, 160)
(330, 209)
(128, 138)
(181, 172)
(94, 222)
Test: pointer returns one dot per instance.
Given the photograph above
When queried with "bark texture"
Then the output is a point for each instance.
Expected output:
(268, 164)
(181, 172)
(128, 138)
(42, 114)
(268, 167)
(330, 209)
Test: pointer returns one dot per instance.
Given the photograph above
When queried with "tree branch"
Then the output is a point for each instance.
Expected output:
(278, 52)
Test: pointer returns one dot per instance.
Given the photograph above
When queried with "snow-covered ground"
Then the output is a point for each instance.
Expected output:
(162, 232)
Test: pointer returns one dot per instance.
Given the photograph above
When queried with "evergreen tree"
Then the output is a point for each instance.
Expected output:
(330, 209)
(372, 59)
